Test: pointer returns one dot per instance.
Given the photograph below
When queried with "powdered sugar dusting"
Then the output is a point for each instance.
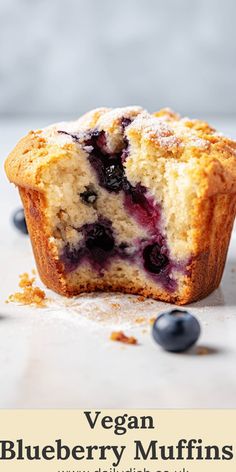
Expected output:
(197, 142)
(165, 129)
(114, 116)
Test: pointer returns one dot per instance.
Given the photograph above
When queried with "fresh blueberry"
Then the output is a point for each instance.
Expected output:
(19, 221)
(89, 196)
(176, 330)
(154, 260)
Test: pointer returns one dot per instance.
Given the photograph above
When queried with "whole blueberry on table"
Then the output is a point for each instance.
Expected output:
(176, 330)
(19, 220)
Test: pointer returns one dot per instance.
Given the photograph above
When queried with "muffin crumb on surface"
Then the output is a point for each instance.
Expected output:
(30, 295)
(122, 338)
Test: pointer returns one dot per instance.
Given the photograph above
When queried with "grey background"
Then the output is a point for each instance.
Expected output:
(64, 57)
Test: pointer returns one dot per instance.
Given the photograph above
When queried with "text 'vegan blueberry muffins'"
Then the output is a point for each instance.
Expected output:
(126, 200)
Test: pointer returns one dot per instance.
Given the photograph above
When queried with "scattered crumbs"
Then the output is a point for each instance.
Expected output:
(122, 338)
(152, 320)
(233, 270)
(30, 294)
(115, 306)
(25, 280)
(34, 272)
(202, 351)
(144, 331)
(140, 319)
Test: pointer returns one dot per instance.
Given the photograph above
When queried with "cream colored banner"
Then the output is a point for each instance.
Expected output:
(117, 441)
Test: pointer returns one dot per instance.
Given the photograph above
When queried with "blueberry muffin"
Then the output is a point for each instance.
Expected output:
(124, 200)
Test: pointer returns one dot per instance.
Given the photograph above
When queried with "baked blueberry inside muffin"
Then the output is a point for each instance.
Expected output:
(125, 200)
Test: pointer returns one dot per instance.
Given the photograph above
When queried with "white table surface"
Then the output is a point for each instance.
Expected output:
(61, 356)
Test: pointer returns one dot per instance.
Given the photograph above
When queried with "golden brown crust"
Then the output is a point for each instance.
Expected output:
(21, 164)
(49, 268)
(214, 221)
(26, 163)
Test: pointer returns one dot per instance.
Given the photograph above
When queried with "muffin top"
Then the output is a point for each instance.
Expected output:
(160, 135)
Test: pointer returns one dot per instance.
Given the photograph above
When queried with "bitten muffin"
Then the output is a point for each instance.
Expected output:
(128, 201)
